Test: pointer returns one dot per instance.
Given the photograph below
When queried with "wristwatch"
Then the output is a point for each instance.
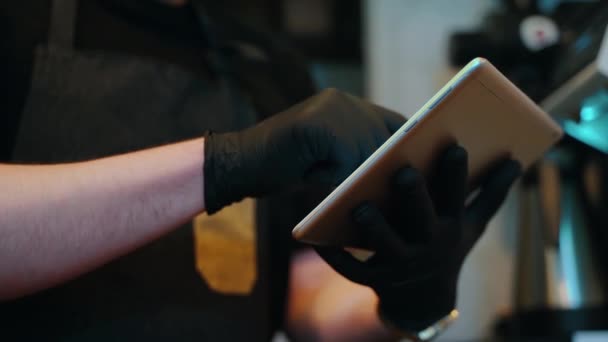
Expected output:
(426, 334)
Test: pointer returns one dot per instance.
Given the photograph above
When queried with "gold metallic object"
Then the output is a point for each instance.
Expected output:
(225, 248)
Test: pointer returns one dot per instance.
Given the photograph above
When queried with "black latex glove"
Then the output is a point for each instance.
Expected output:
(423, 241)
(321, 140)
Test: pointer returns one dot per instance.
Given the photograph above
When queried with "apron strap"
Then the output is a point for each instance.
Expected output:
(62, 23)
(215, 56)
(220, 63)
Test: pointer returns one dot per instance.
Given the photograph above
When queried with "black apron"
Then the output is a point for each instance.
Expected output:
(89, 104)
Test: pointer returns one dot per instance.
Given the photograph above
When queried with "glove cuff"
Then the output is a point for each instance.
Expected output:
(222, 171)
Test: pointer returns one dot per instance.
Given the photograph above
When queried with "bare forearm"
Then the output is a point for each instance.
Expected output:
(59, 221)
(329, 307)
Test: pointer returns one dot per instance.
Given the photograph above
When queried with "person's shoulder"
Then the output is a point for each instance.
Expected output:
(25, 18)
(23, 25)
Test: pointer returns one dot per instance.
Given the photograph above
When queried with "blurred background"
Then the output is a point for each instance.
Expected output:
(538, 271)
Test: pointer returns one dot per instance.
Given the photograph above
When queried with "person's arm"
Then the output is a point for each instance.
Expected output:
(324, 306)
(59, 221)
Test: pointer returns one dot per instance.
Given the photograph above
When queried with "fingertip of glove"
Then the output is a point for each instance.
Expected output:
(407, 177)
(455, 153)
(512, 168)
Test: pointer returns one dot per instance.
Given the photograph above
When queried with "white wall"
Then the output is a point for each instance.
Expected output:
(406, 56)
(406, 46)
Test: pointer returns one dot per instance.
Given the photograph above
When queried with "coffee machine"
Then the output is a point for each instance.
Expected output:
(559, 57)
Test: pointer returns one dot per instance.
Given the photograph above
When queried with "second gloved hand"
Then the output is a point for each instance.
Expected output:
(421, 242)
(320, 140)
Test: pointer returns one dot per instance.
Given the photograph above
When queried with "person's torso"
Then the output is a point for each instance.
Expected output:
(127, 86)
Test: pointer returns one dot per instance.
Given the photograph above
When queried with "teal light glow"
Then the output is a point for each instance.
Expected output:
(589, 113)
(592, 128)
(594, 106)
(588, 134)
(567, 245)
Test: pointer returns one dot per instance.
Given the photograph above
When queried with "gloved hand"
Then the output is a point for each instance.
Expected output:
(322, 140)
(423, 240)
